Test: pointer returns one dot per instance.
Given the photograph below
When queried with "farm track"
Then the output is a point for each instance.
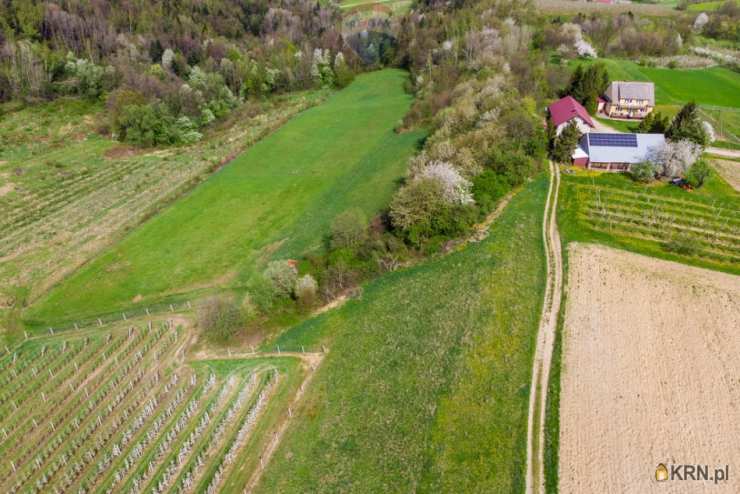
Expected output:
(535, 478)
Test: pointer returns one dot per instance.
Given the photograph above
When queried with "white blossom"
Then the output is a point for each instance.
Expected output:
(673, 159)
(167, 58)
(455, 188)
(700, 21)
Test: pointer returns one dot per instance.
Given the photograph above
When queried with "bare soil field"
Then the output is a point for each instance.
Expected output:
(730, 171)
(651, 374)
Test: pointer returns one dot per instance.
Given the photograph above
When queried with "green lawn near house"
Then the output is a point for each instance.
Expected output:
(276, 200)
(715, 86)
(716, 90)
(425, 386)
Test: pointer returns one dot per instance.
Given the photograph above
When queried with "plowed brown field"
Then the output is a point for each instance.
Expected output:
(651, 374)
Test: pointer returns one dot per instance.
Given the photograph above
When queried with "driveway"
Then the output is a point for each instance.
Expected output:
(725, 153)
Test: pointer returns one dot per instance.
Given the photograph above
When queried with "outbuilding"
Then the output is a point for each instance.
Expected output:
(616, 151)
(567, 110)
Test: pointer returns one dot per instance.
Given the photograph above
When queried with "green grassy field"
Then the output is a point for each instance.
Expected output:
(716, 90)
(716, 86)
(274, 201)
(67, 192)
(424, 357)
(705, 6)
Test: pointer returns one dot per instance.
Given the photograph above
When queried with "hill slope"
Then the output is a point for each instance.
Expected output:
(281, 194)
(424, 358)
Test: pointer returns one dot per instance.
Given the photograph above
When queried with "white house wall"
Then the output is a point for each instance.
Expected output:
(583, 127)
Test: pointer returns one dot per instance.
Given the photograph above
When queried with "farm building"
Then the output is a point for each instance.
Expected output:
(628, 99)
(567, 109)
(615, 152)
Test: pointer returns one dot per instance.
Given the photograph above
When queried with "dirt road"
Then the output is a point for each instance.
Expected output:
(535, 482)
(725, 153)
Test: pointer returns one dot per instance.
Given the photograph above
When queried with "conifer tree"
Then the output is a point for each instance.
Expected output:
(687, 125)
(566, 143)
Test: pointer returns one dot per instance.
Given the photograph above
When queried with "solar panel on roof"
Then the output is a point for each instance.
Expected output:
(613, 140)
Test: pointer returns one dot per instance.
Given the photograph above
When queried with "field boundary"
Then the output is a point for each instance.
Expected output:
(535, 482)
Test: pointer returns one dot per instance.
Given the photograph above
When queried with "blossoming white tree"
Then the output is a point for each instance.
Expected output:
(673, 159)
(455, 188)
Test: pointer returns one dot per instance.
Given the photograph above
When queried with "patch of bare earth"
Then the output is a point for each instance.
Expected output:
(6, 188)
(651, 374)
(730, 171)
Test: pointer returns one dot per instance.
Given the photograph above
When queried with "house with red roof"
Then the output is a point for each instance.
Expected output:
(567, 110)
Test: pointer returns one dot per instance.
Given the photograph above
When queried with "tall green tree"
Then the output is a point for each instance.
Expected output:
(687, 125)
(566, 143)
(587, 85)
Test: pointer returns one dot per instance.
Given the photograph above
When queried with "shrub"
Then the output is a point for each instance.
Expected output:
(513, 164)
(147, 125)
(415, 204)
(654, 123)
(488, 188)
(282, 277)
(306, 289)
(455, 188)
(117, 102)
(349, 229)
(673, 159)
(687, 125)
(343, 73)
(698, 173)
(681, 243)
(85, 78)
(643, 172)
(219, 318)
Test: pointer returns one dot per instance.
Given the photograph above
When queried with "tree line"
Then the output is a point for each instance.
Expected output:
(168, 68)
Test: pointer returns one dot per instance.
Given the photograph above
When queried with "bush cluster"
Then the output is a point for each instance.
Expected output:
(219, 318)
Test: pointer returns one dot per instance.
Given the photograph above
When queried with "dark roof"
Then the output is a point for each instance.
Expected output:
(631, 90)
(564, 109)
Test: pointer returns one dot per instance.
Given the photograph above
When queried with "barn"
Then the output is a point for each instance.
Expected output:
(566, 110)
(615, 151)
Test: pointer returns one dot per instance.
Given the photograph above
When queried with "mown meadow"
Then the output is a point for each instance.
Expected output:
(67, 191)
(425, 386)
(274, 201)
(715, 89)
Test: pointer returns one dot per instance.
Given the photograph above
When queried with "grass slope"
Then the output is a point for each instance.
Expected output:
(279, 195)
(715, 89)
(425, 386)
(716, 86)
